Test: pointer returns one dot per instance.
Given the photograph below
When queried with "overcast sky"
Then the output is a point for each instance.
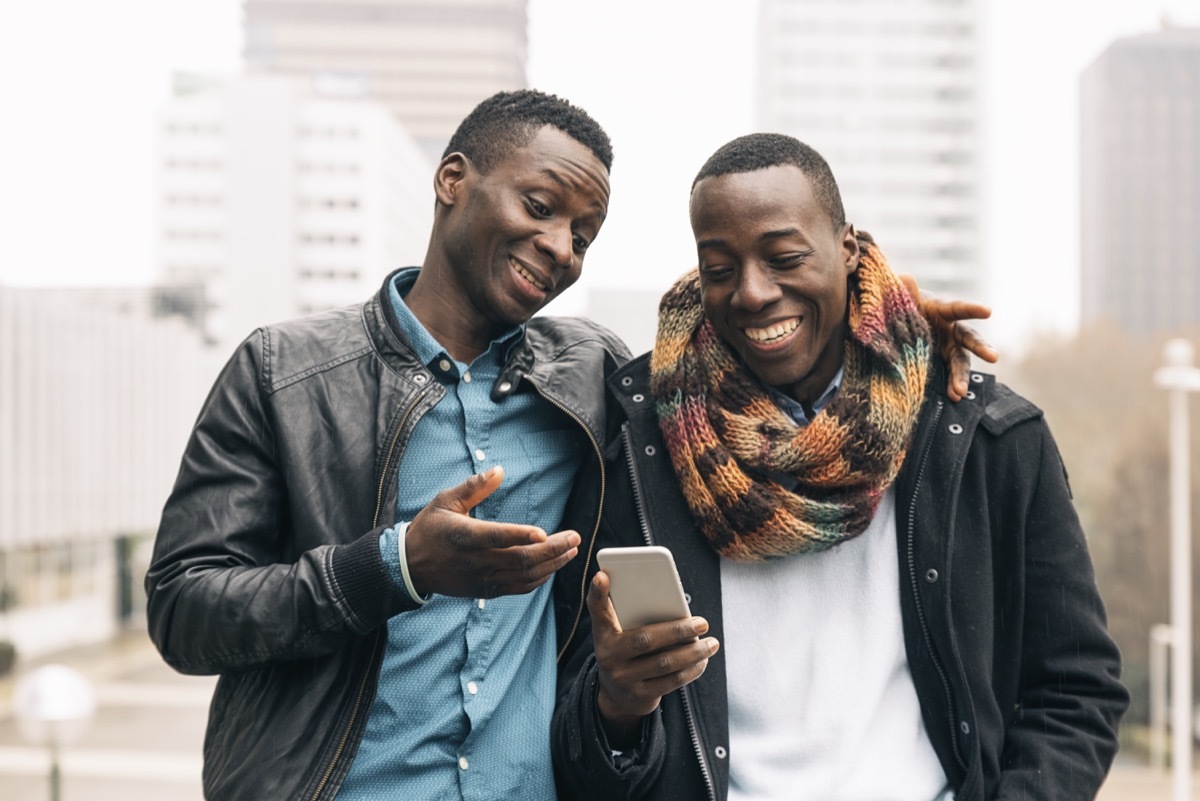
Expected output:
(670, 79)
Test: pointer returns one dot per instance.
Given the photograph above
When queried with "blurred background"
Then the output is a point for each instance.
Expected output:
(174, 173)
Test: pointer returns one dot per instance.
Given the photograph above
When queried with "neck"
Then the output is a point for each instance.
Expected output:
(809, 389)
(445, 312)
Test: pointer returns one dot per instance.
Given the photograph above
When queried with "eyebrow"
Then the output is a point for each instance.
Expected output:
(553, 175)
(780, 233)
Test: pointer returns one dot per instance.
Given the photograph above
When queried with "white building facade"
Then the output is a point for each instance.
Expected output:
(97, 396)
(276, 201)
(429, 61)
(890, 94)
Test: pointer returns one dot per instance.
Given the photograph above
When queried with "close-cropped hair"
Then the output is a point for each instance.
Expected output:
(508, 120)
(758, 151)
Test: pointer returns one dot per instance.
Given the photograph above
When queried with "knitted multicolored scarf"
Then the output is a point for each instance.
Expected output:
(727, 437)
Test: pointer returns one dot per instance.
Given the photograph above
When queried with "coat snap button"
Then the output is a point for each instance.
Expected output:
(970, 396)
(720, 752)
(420, 378)
(687, 596)
(931, 575)
(955, 428)
(977, 378)
(626, 381)
(638, 398)
(966, 727)
(504, 386)
(651, 450)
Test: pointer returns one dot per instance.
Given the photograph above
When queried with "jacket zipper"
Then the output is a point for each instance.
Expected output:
(912, 578)
(387, 462)
(684, 692)
(595, 529)
(637, 486)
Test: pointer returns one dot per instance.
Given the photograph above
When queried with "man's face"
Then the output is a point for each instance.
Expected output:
(773, 274)
(517, 235)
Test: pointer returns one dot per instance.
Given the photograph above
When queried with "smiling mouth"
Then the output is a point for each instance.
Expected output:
(772, 333)
(528, 276)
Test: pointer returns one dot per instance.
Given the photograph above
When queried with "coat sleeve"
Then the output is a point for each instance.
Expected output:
(222, 594)
(1062, 737)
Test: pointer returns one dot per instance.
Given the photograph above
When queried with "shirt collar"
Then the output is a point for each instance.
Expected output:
(794, 410)
(427, 348)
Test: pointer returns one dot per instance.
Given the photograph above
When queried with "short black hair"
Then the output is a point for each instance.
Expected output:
(758, 151)
(508, 120)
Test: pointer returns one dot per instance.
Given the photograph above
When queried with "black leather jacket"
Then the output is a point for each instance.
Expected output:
(1003, 626)
(266, 567)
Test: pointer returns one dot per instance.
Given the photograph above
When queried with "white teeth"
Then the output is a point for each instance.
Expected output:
(528, 276)
(773, 332)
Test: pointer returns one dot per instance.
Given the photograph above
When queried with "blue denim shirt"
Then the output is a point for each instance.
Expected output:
(466, 689)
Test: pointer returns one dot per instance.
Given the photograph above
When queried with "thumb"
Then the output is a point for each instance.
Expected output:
(469, 494)
(604, 616)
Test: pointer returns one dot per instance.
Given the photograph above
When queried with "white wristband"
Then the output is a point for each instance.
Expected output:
(401, 534)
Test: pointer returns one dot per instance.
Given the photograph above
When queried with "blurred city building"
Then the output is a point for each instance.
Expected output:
(1140, 181)
(429, 61)
(279, 199)
(889, 93)
(98, 390)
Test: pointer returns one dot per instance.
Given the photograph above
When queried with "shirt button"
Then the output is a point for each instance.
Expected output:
(467, 377)
(482, 603)
(445, 365)
(472, 688)
(480, 455)
(462, 763)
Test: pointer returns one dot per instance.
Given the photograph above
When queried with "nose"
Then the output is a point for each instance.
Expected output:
(555, 242)
(754, 290)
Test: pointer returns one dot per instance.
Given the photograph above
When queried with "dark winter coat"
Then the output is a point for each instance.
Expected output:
(1003, 626)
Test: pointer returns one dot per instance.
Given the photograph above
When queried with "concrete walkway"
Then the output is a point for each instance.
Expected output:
(143, 745)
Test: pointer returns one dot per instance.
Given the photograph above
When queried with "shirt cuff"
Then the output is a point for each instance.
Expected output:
(391, 548)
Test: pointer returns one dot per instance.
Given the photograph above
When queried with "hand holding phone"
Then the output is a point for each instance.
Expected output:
(644, 585)
(647, 644)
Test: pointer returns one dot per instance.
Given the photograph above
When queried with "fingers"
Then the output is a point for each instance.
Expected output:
(529, 566)
(960, 370)
(954, 310)
(970, 339)
(466, 496)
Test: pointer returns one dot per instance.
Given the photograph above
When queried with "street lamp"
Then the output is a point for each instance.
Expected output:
(1179, 377)
(53, 706)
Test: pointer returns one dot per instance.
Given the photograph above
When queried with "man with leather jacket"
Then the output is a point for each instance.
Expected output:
(898, 585)
(335, 545)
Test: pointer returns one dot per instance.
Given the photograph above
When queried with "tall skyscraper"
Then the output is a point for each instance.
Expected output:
(1140, 179)
(889, 93)
(429, 61)
(276, 202)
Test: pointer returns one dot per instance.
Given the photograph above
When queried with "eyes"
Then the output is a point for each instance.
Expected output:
(539, 210)
(719, 266)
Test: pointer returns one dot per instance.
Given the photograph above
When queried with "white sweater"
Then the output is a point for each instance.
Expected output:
(821, 702)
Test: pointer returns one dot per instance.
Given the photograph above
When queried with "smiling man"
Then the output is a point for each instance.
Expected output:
(899, 586)
(374, 499)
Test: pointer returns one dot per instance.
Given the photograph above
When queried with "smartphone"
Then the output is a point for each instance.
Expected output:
(644, 585)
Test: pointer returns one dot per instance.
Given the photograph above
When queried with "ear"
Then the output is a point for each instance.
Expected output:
(449, 176)
(850, 249)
